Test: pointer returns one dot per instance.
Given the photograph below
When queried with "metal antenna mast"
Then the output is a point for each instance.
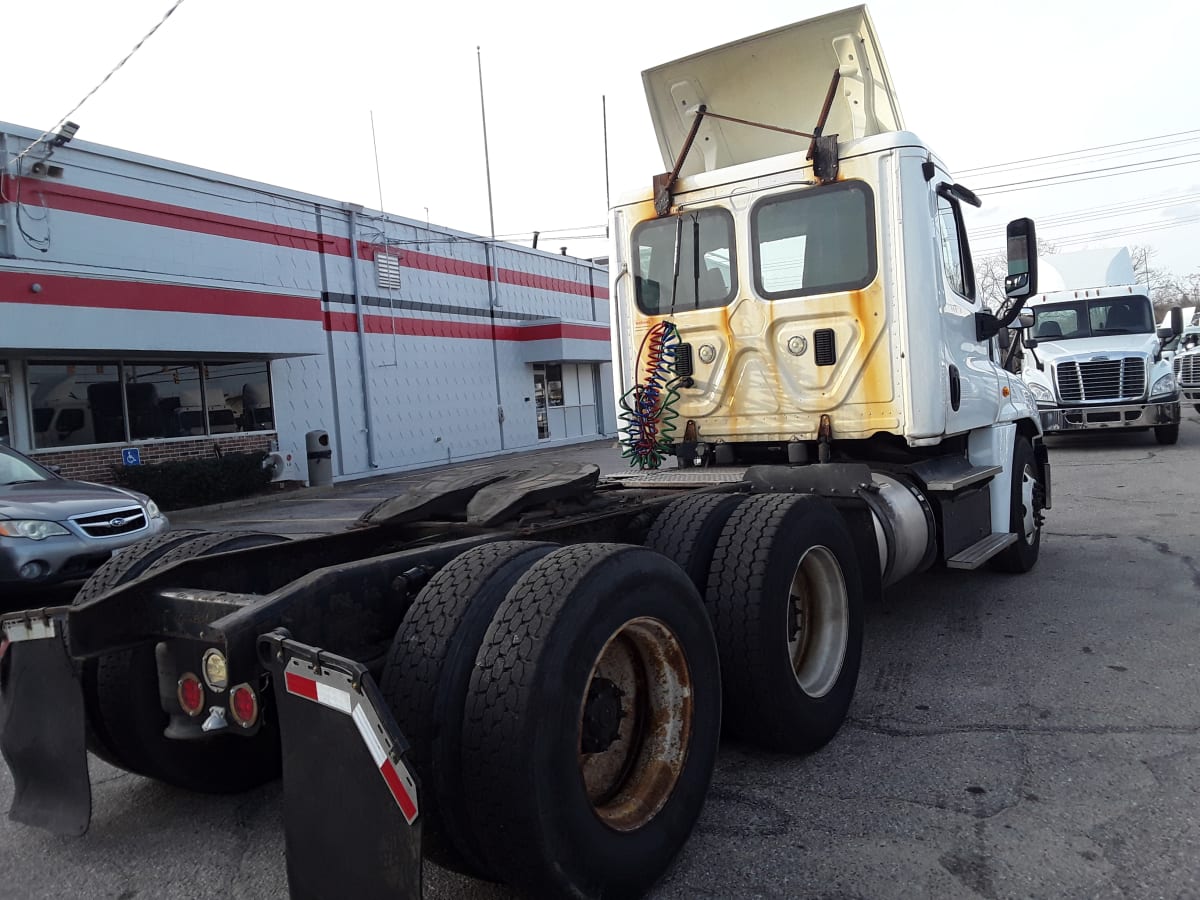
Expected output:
(487, 165)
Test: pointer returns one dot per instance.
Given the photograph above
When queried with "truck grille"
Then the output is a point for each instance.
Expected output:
(1101, 380)
(1187, 369)
(113, 522)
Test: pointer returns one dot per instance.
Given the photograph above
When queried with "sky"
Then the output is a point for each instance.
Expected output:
(284, 91)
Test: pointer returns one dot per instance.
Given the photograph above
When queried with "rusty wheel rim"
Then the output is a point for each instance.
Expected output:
(635, 723)
(818, 621)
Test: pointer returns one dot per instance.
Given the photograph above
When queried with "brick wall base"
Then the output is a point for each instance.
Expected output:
(97, 463)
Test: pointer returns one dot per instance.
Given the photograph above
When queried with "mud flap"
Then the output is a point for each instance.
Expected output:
(42, 730)
(350, 807)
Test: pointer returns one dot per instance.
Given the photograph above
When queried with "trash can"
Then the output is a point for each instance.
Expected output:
(320, 458)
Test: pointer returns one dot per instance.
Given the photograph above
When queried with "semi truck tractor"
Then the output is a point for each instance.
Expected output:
(1094, 357)
(523, 673)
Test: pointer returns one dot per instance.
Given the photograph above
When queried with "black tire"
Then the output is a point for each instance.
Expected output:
(425, 681)
(117, 570)
(768, 543)
(1167, 434)
(525, 762)
(130, 715)
(1023, 555)
(688, 529)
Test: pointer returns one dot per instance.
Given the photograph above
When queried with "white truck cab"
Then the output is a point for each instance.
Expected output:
(798, 286)
(1094, 355)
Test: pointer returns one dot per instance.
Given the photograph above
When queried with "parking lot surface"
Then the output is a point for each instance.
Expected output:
(1012, 736)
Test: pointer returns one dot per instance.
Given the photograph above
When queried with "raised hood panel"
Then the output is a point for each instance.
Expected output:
(777, 78)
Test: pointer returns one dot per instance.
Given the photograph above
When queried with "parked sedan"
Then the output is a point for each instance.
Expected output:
(53, 529)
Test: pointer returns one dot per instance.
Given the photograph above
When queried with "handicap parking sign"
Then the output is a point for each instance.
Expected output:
(131, 456)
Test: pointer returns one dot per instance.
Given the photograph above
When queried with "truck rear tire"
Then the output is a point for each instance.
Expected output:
(786, 603)
(687, 531)
(130, 717)
(425, 681)
(1023, 513)
(592, 723)
(1167, 434)
(117, 570)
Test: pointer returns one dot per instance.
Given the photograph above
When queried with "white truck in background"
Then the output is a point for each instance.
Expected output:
(1093, 354)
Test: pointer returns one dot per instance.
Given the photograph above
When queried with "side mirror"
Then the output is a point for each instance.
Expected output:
(1026, 318)
(1031, 343)
(1021, 281)
(1004, 336)
(1166, 333)
(1176, 320)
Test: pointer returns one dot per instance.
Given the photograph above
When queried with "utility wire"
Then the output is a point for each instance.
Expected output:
(103, 81)
(1075, 176)
(1033, 159)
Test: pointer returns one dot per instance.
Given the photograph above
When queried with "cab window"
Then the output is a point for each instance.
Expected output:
(816, 241)
(707, 275)
(952, 241)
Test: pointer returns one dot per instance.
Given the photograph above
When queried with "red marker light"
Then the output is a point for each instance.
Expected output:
(190, 694)
(243, 705)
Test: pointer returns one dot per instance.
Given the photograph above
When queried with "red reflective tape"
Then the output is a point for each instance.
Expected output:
(301, 686)
(4, 647)
(399, 791)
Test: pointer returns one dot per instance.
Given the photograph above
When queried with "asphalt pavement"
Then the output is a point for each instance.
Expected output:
(1012, 736)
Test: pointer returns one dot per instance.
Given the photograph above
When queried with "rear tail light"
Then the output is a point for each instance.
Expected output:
(243, 705)
(191, 694)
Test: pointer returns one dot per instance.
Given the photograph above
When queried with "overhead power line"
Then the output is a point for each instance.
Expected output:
(1073, 153)
(103, 81)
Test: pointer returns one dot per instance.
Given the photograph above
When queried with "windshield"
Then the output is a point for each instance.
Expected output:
(1093, 318)
(712, 271)
(15, 469)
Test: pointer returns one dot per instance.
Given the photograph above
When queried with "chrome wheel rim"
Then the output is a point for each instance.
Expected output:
(818, 621)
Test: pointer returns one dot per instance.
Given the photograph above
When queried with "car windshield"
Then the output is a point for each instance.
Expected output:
(15, 469)
(1093, 318)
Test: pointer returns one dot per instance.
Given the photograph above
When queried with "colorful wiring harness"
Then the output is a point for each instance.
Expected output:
(648, 408)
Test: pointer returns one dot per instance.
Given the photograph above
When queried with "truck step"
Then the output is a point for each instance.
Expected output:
(950, 480)
(981, 551)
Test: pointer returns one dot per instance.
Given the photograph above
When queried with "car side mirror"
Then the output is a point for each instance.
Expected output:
(1021, 281)
(1176, 320)
(1026, 318)
(1031, 343)
(57, 470)
(1166, 333)
(1004, 336)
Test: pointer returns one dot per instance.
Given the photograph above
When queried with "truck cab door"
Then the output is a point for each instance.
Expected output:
(971, 379)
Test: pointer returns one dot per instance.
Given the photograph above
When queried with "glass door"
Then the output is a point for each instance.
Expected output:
(539, 397)
(5, 410)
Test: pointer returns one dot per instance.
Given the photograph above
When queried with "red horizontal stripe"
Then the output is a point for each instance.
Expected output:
(300, 686)
(399, 791)
(71, 198)
(439, 328)
(429, 262)
(100, 293)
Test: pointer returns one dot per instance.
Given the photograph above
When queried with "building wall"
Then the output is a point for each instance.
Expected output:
(411, 344)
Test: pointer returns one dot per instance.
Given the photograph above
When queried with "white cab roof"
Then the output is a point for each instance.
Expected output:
(777, 78)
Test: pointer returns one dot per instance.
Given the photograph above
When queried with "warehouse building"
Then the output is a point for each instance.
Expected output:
(152, 307)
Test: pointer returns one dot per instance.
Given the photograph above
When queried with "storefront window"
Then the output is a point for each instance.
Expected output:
(76, 403)
(239, 396)
(164, 400)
